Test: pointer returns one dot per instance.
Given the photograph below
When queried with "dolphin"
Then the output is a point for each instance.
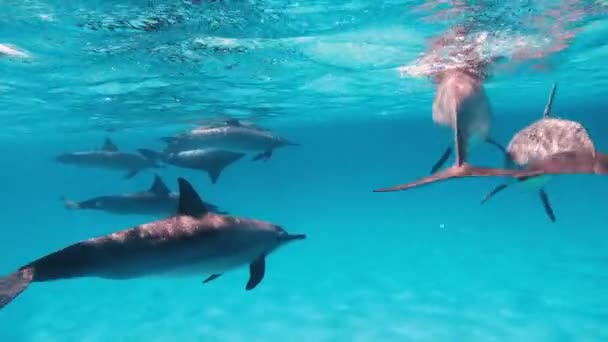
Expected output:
(232, 136)
(109, 157)
(193, 242)
(461, 104)
(211, 160)
(157, 200)
(553, 146)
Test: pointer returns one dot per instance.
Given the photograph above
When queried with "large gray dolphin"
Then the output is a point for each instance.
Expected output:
(232, 136)
(193, 242)
(552, 146)
(211, 160)
(157, 200)
(109, 157)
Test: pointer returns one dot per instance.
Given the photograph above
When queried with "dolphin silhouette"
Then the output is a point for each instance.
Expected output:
(110, 158)
(157, 200)
(231, 136)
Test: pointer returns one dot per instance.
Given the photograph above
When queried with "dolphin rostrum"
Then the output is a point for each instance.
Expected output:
(231, 136)
(157, 200)
(552, 146)
(109, 157)
(211, 160)
(194, 241)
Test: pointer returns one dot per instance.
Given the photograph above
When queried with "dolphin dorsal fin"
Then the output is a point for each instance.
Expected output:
(232, 122)
(159, 187)
(109, 146)
(547, 111)
(190, 204)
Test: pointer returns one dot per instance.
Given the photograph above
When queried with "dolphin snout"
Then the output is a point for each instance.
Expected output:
(291, 143)
(63, 158)
(292, 237)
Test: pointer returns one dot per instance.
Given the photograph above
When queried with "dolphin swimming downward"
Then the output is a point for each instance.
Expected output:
(109, 157)
(194, 241)
(157, 200)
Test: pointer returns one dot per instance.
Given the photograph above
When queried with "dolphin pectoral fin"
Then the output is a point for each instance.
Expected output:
(190, 204)
(264, 156)
(444, 157)
(546, 204)
(256, 272)
(497, 145)
(131, 174)
(214, 174)
(496, 190)
(464, 170)
(211, 277)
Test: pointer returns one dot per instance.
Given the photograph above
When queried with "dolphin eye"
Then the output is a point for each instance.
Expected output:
(280, 229)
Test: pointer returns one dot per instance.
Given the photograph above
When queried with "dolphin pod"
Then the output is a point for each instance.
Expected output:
(194, 242)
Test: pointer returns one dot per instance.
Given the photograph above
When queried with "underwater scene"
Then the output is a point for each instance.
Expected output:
(324, 170)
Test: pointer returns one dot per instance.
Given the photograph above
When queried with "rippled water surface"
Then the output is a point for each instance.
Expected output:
(336, 77)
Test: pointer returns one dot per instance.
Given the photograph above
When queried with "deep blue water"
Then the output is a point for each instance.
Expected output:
(430, 264)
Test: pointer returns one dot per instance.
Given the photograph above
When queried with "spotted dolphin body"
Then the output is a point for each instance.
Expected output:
(193, 242)
(553, 146)
(211, 160)
(157, 200)
(232, 136)
(462, 105)
(109, 158)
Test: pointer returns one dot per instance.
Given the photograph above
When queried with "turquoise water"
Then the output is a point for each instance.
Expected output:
(429, 264)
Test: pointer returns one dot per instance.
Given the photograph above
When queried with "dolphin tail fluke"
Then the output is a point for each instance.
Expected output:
(460, 171)
(12, 285)
(264, 156)
(70, 204)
